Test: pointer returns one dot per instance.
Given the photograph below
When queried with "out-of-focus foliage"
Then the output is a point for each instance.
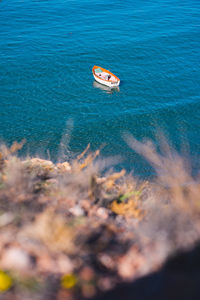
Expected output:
(71, 230)
(68, 281)
(5, 281)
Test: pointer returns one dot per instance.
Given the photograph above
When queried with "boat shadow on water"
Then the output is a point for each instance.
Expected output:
(105, 88)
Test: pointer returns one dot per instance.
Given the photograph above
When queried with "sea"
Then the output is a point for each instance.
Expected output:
(48, 95)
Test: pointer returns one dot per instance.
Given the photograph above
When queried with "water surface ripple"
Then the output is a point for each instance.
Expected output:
(48, 48)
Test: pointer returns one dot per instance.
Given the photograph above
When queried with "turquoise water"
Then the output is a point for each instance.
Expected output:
(48, 95)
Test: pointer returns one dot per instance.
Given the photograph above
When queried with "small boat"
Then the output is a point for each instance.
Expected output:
(105, 77)
(105, 88)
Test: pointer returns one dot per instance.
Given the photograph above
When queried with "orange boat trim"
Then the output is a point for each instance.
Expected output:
(104, 70)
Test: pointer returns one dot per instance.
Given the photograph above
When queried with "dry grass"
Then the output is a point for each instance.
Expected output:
(68, 220)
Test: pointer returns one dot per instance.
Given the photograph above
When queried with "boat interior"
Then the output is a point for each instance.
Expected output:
(104, 75)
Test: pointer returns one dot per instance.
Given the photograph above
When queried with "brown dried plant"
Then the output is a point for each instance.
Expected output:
(173, 175)
(59, 213)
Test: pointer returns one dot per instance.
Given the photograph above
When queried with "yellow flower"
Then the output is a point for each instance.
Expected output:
(5, 281)
(68, 281)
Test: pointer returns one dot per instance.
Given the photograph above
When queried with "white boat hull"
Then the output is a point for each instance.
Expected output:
(106, 82)
(105, 88)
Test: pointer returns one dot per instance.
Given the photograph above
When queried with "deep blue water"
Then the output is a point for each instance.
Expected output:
(48, 94)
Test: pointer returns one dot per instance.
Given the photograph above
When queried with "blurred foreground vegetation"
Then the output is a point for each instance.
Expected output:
(72, 231)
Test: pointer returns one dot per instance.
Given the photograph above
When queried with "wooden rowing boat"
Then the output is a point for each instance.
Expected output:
(105, 77)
